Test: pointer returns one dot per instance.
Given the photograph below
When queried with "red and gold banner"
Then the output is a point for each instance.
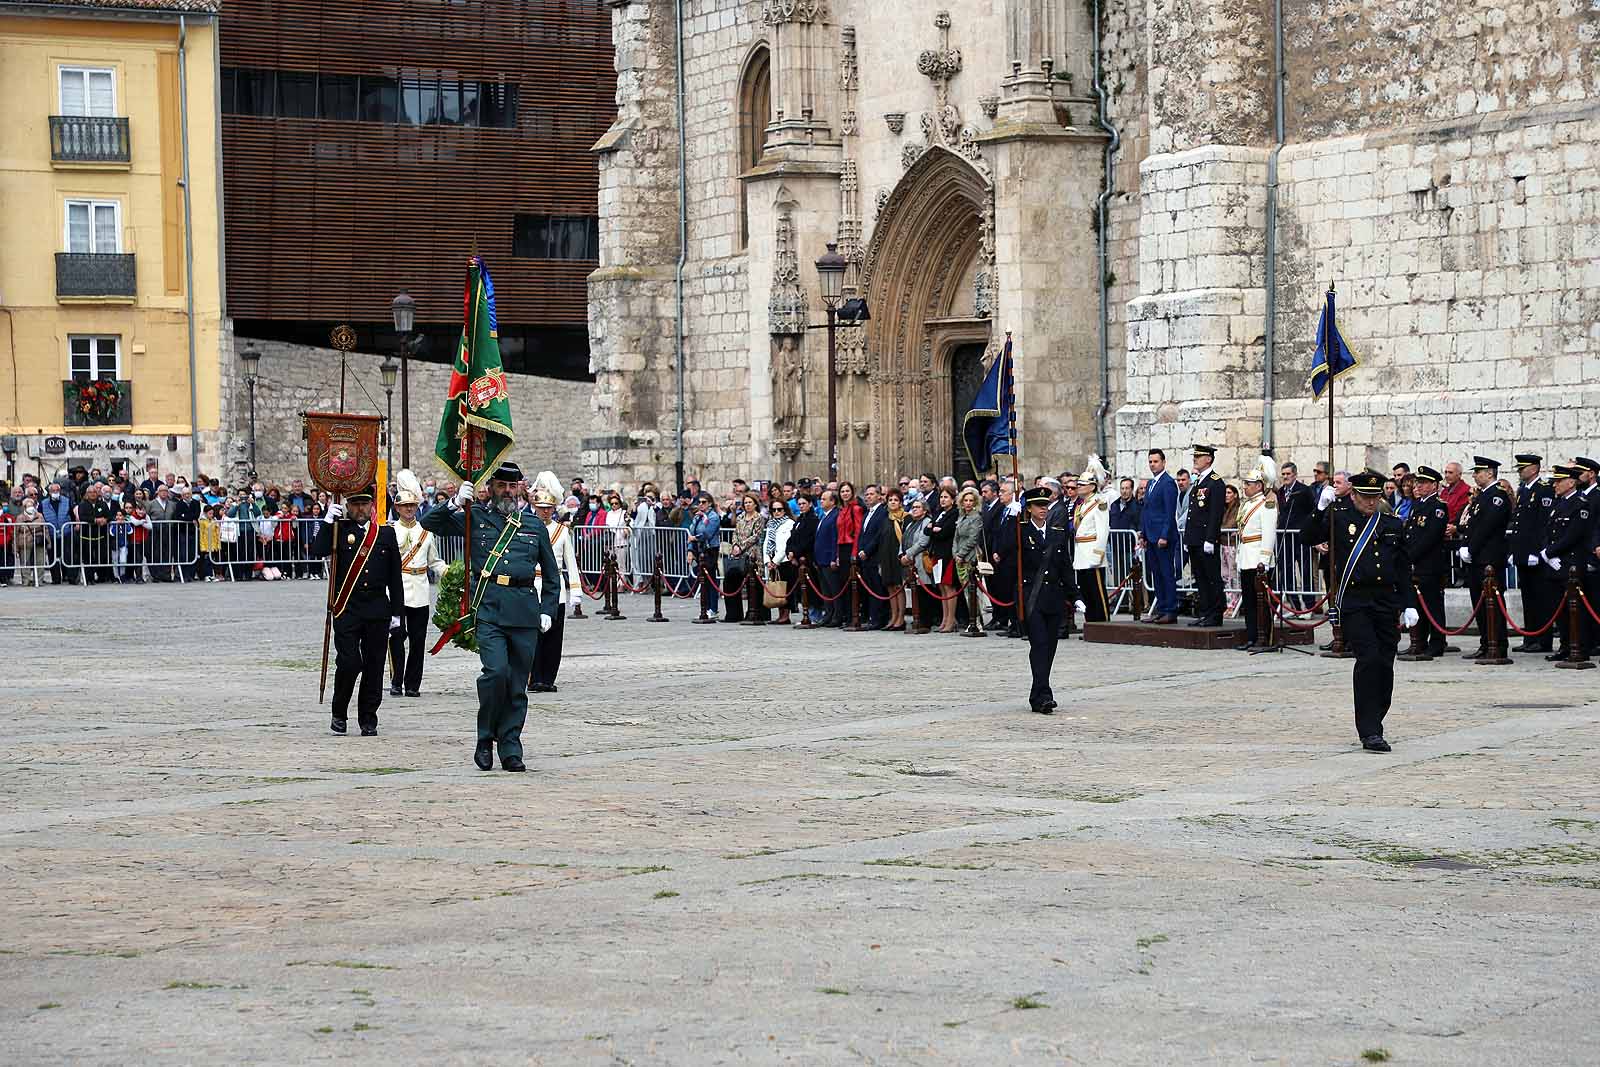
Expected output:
(342, 451)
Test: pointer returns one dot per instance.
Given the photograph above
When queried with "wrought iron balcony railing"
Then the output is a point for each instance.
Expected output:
(95, 274)
(88, 139)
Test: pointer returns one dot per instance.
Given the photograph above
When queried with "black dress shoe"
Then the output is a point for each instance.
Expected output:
(1049, 706)
(1167, 620)
(535, 687)
(394, 690)
(1375, 743)
(413, 693)
(484, 756)
(552, 688)
(369, 733)
(337, 726)
(1555, 657)
(1041, 709)
(1525, 647)
(514, 763)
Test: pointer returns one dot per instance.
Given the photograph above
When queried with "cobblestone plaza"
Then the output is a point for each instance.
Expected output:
(750, 845)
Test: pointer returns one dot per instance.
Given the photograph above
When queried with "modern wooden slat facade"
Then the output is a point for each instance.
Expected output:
(327, 219)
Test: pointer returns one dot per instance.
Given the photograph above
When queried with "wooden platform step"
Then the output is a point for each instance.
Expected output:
(1180, 635)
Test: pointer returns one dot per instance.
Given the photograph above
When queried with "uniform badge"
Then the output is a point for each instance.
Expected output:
(349, 539)
(1499, 500)
(1352, 529)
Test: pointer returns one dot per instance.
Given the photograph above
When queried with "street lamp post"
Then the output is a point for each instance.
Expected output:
(405, 312)
(830, 275)
(252, 374)
(387, 369)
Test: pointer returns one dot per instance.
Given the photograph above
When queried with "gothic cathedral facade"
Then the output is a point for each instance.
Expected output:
(1149, 197)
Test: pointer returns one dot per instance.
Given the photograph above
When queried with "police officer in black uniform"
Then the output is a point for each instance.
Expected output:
(368, 603)
(1589, 572)
(1484, 524)
(1430, 564)
(1375, 583)
(1525, 536)
(1048, 586)
(1202, 536)
(1566, 544)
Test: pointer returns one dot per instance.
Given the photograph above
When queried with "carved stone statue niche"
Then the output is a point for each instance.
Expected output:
(788, 388)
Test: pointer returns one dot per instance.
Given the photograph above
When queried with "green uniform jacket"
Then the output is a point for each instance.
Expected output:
(507, 606)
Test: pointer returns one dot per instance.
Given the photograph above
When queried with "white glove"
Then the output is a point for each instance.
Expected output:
(335, 512)
(1210, 548)
(576, 601)
(465, 494)
(1408, 618)
(1325, 498)
(394, 622)
(1465, 554)
(1533, 561)
(1080, 606)
(544, 624)
(1555, 562)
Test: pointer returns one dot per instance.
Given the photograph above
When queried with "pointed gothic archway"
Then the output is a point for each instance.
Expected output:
(929, 279)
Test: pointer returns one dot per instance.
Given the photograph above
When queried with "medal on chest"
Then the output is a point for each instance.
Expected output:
(349, 539)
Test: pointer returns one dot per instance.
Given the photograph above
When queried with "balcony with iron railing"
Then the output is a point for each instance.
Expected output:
(88, 139)
(95, 274)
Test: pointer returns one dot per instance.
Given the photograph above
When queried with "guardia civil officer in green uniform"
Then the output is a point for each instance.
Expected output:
(510, 550)
(1374, 585)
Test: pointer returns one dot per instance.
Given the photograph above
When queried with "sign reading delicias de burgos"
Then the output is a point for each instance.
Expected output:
(60, 446)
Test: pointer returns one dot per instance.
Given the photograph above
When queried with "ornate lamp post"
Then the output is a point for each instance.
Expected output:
(388, 368)
(252, 374)
(830, 275)
(405, 313)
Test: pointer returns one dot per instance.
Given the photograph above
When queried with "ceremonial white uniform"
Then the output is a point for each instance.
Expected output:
(1258, 531)
(1258, 539)
(547, 657)
(1091, 525)
(419, 555)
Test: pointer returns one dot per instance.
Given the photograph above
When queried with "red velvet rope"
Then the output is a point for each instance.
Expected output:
(738, 591)
(1529, 633)
(1588, 606)
(1284, 611)
(997, 602)
(823, 596)
(1439, 626)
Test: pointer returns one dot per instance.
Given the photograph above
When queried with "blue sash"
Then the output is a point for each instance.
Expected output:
(1355, 553)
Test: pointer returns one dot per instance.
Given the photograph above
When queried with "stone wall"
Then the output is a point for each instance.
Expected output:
(1441, 170)
(549, 416)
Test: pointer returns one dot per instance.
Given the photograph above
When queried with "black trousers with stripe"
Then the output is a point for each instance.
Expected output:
(1092, 591)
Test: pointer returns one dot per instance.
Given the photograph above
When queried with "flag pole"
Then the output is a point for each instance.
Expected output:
(1009, 383)
(1329, 332)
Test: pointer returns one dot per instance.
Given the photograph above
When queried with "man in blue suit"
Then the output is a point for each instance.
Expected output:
(872, 529)
(829, 579)
(1158, 536)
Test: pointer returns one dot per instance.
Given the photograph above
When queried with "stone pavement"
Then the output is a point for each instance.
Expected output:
(752, 846)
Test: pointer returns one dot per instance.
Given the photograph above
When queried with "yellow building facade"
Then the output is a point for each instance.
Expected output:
(108, 106)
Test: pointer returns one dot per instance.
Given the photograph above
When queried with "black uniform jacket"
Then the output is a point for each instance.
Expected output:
(1425, 544)
(1205, 511)
(1048, 582)
(378, 594)
(1485, 522)
(1383, 566)
(1530, 520)
(1570, 533)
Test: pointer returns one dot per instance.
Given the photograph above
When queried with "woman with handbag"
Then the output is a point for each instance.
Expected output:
(749, 527)
(775, 559)
(913, 559)
(941, 550)
(890, 571)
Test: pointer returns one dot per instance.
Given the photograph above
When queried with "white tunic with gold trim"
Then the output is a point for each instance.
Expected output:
(419, 554)
(1091, 525)
(1258, 531)
(567, 556)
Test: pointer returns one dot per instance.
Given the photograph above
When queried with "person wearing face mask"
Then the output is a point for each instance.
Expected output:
(57, 512)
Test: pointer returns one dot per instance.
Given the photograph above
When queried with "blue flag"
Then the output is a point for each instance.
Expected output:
(1328, 340)
(990, 425)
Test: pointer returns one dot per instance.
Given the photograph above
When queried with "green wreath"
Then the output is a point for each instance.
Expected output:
(444, 612)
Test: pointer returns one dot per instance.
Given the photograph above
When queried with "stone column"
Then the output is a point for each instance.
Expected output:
(1037, 48)
(1195, 333)
(802, 86)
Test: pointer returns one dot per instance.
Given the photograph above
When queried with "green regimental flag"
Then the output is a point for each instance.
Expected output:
(475, 432)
